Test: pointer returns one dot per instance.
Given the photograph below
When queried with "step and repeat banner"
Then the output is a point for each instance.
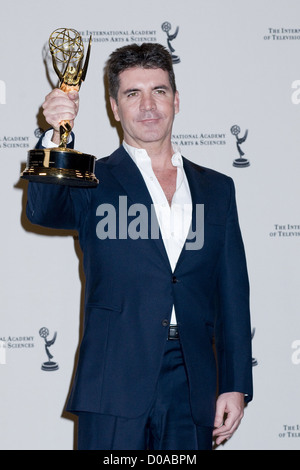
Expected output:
(237, 64)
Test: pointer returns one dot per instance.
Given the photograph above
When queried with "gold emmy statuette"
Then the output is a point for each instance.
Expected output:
(62, 165)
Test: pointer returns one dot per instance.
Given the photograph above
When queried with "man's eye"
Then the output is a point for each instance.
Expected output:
(132, 93)
(160, 92)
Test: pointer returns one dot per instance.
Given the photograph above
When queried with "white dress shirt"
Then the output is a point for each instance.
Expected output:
(47, 142)
(174, 220)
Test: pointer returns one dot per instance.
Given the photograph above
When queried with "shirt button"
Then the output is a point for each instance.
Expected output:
(165, 322)
(174, 279)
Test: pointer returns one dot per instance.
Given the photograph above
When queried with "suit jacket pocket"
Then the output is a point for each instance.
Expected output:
(103, 306)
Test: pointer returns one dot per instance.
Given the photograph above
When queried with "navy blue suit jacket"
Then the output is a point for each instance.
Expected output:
(130, 290)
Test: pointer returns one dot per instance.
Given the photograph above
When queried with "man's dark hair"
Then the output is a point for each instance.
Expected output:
(146, 55)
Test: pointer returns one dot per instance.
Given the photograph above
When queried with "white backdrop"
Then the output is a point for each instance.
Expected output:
(239, 64)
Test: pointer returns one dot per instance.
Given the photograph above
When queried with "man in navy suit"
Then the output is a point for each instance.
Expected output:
(165, 359)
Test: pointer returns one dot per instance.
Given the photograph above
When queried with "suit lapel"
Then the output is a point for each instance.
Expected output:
(199, 189)
(129, 176)
(127, 173)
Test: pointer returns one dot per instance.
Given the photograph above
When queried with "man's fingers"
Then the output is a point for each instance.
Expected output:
(230, 409)
(60, 106)
(227, 429)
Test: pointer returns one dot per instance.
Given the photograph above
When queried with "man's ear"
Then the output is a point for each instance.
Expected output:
(114, 107)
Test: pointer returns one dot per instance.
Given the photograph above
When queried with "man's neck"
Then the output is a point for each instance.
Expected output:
(159, 154)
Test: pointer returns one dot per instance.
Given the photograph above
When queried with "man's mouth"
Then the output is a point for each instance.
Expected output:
(149, 119)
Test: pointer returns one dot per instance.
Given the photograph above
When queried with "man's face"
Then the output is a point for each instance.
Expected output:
(146, 106)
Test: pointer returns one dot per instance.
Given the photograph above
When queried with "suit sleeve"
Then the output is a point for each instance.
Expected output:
(55, 205)
(233, 329)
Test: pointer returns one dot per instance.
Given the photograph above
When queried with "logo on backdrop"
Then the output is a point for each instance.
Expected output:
(38, 132)
(14, 141)
(48, 365)
(119, 35)
(240, 162)
(12, 343)
(207, 139)
(285, 231)
(282, 34)
(166, 27)
(18, 141)
(134, 35)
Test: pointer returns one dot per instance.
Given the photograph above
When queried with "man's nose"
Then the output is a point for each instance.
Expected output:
(147, 102)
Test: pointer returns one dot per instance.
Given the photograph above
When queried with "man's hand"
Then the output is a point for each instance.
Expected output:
(230, 407)
(60, 106)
